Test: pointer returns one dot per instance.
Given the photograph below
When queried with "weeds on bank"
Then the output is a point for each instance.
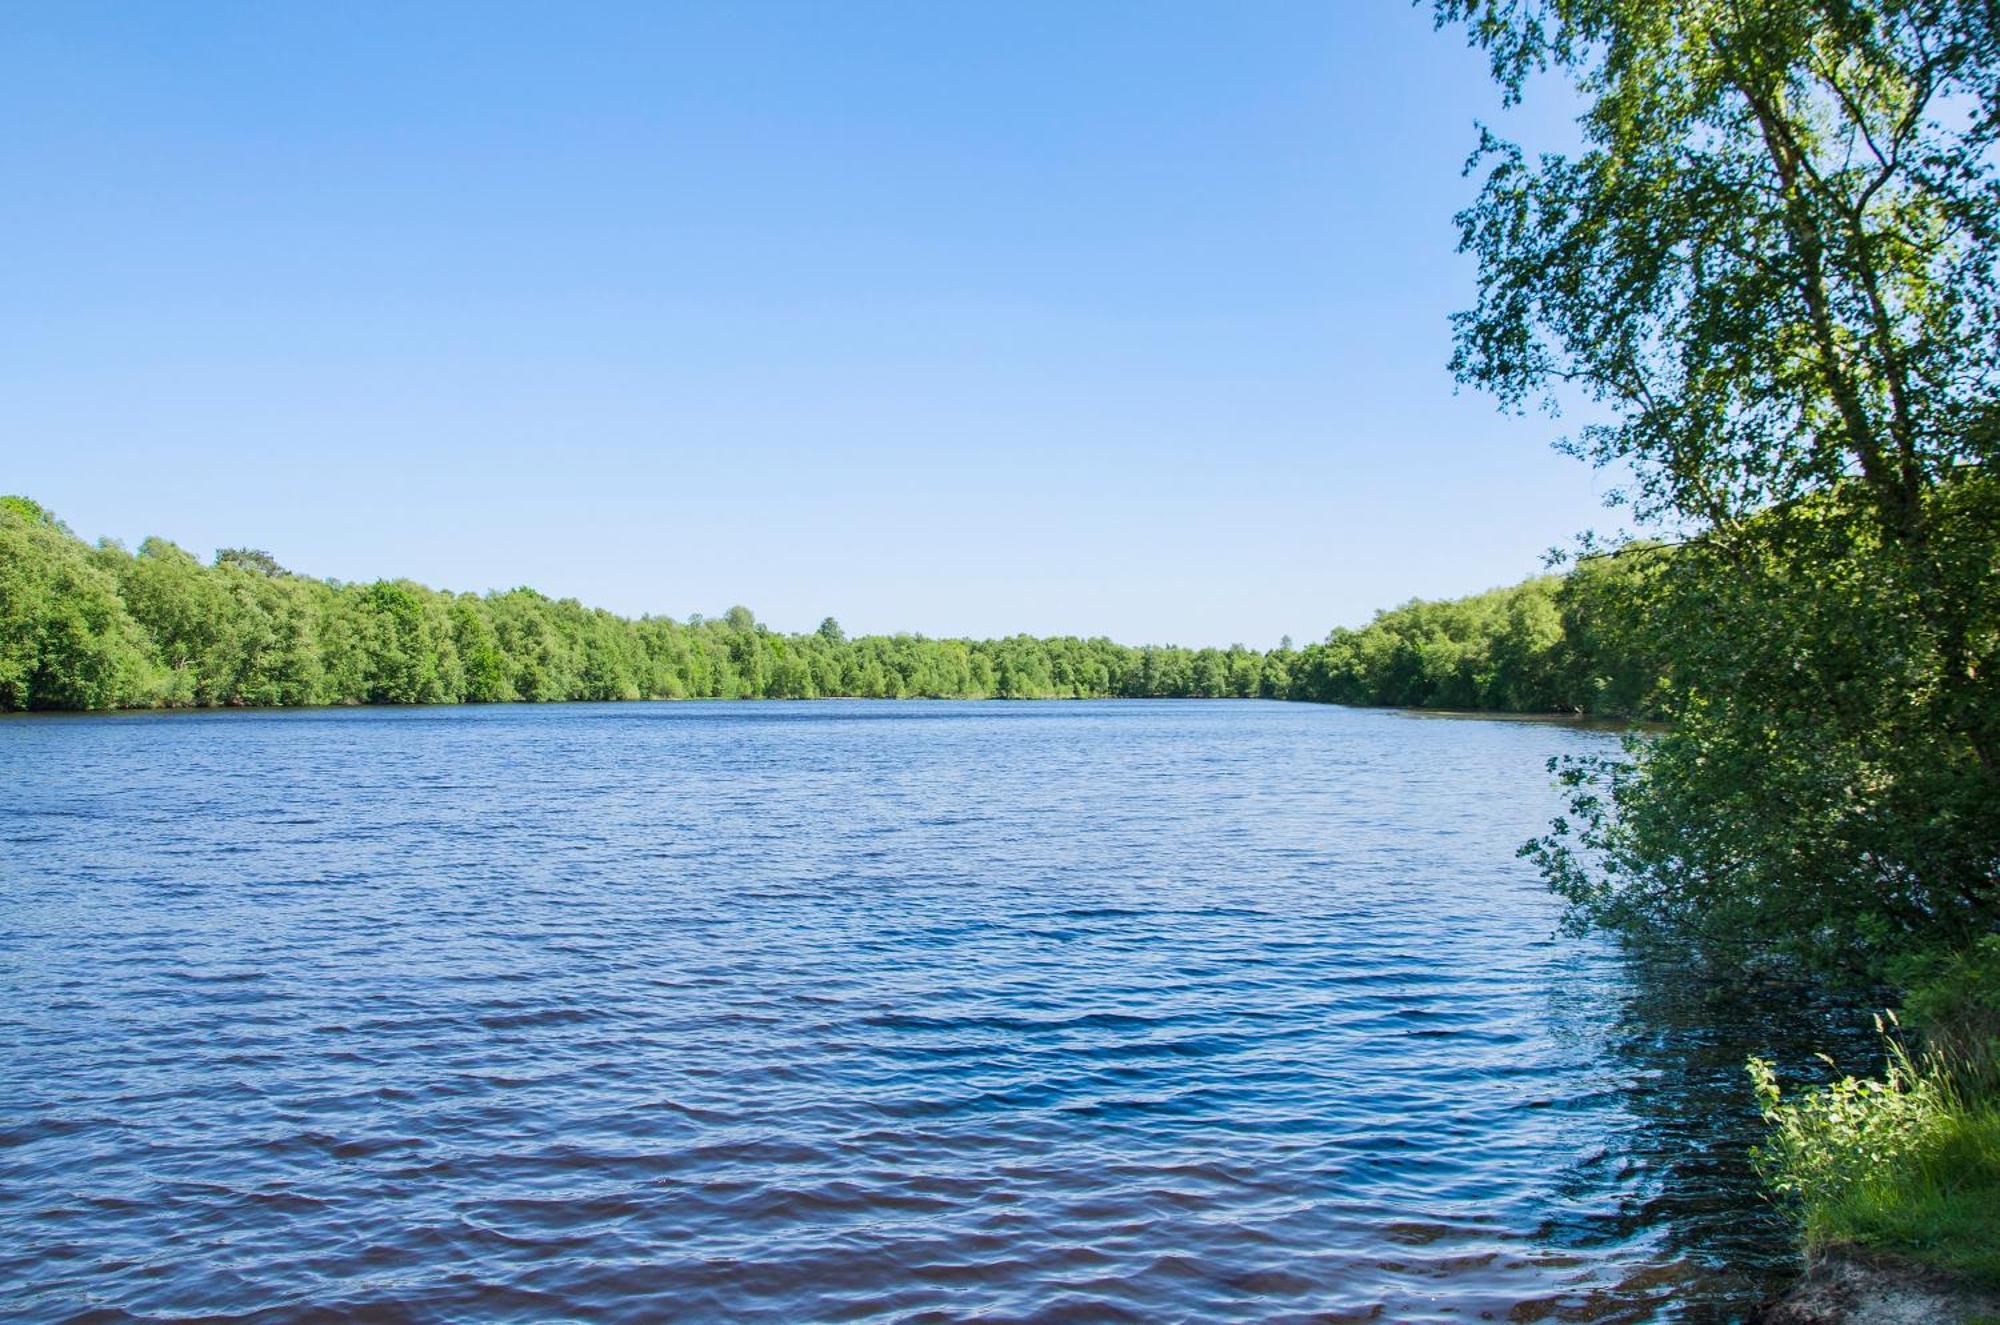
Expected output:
(1908, 1162)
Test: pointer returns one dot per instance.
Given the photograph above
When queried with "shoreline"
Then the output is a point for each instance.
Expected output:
(1586, 721)
(1845, 1284)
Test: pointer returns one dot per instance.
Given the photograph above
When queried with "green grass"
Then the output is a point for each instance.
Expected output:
(1908, 1163)
(1939, 1205)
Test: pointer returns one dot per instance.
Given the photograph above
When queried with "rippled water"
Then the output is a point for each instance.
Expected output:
(772, 1012)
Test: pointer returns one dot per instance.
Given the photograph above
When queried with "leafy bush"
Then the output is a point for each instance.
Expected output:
(1954, 1000)
(1909, 1163)
(1827, 792)
(1834, 1141)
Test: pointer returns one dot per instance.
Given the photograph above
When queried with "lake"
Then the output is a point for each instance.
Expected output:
(835, 1011)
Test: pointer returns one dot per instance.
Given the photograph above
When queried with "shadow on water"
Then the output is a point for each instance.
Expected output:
(1679, 1045)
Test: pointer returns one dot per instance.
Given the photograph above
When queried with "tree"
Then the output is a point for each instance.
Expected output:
(407, 636)
(194, 623)
(1776, 261)
(1775, 271)
(277, 655)
(66, 640)
(486, 667)
(255, 560)
(29, 512)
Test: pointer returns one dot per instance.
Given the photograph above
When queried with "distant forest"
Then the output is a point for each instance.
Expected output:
(101, 627)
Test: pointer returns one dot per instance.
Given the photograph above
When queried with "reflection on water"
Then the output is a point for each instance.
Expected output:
(915, 1012)
(1688, 1120)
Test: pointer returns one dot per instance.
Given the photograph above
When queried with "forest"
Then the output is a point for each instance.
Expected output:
(1771, 268)
(97, 626)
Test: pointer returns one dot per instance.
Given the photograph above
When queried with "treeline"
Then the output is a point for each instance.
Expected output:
(93, 627)
(85, 627)
(1554, 644)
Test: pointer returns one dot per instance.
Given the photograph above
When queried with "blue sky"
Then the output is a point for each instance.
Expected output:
(1103, 318)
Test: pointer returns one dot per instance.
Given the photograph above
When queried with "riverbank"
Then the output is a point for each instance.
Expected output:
(1849, 1285)
(1895, 1180)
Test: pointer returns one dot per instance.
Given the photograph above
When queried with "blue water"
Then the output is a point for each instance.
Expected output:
(837, 1011)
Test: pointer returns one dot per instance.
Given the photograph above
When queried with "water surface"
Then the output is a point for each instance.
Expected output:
(837, 1011)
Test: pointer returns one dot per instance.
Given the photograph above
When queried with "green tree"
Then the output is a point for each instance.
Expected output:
(255, 560)
(277, 655)
(488, 671)
(1773, 272)
(196, 625)
(410, 656)
(66, 640)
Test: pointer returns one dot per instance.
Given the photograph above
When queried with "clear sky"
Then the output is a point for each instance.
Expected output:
(1120, 318)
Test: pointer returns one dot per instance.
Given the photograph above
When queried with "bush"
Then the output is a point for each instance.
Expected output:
(1826, 793)
(1832, 1142)
(1909, 1163)
(1954, 1001)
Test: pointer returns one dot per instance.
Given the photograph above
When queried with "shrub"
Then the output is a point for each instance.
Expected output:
(1909, 1163)
(1954, 1000)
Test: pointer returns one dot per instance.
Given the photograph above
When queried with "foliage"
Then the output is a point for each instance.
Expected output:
(246, 631)
(1549, 645)
(84, 627)
(66, 640)
(1833, 1141)
(1908, 1163)
(1774, 272)
(1954, 1000)
(1774, 260)
(1818, 796)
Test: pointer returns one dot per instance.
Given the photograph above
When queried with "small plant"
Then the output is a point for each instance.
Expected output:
(1908, 1163)
(1830, 1142)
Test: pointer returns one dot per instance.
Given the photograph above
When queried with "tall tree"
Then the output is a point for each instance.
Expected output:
(1774, 270)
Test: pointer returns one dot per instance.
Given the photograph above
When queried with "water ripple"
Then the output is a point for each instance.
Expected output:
(1106, 1012)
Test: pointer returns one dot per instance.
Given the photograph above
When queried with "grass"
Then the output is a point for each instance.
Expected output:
(1941, 1207)
(1907, 1163)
